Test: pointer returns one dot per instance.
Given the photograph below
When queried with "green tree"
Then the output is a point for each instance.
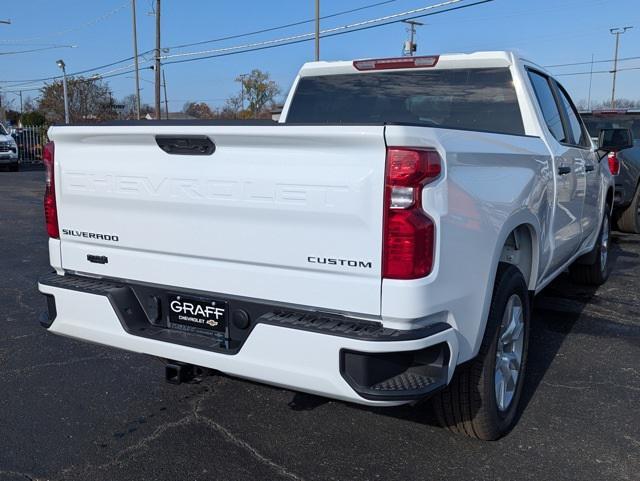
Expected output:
(199, 110)
(33, 118)
(258, 95)
(90, 100)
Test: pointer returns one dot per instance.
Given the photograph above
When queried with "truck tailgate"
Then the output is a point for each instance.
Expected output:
(291, 214)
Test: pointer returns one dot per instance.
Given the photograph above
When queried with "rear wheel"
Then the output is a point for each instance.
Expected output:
(482, 399)
(629, 219)
(596, 271)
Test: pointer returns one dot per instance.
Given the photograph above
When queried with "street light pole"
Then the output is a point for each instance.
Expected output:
(317, 30)
(616, 32)
(62, 65)
(135, 59)
(157, 61)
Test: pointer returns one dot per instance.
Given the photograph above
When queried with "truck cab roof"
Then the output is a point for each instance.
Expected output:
(499, 58)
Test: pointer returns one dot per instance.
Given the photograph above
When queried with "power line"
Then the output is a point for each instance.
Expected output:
(79, 80)
(365, 25)
(595, 72)
(587, 63)
(280, 27)
(89, 23)
(332, 32)
(245, 34)
(40, 49)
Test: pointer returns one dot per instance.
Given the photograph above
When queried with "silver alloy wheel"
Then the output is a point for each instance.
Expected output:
(604, 243)
(509, 352)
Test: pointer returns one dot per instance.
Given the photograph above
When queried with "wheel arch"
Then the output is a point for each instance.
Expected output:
(525, 228)
(608, 200)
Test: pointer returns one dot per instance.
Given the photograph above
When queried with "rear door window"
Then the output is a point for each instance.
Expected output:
(481, 99)
(578, 132)
(548, 105)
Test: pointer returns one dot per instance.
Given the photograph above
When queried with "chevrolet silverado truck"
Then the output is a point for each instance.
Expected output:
(625, 163)
(380, 244)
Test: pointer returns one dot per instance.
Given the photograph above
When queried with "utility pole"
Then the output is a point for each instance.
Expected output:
(616, 31)
(317, 30)
(20, 92)
(242, 77)
(157, 62)
(410, 46)
(166, 102)
(135, 58)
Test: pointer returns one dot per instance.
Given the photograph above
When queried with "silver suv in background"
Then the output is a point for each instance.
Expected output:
(8, 150)
(625, 162)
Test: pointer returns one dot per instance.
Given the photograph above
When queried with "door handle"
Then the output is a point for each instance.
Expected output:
(186, 144)
(564, 170)
(589, 167)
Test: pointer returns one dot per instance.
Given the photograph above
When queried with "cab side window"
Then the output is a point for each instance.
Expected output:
(548, 105)
(577, 130)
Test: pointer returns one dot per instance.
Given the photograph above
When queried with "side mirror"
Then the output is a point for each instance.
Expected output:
(614, 140)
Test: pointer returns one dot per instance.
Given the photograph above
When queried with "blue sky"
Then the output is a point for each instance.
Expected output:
(547, 31)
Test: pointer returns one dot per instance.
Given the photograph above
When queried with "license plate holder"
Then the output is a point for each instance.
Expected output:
(188, 313)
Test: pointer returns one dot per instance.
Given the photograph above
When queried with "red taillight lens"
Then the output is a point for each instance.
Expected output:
(408, 245)
(407, 167)
(50, 208)
(614, 163)
(409, 234)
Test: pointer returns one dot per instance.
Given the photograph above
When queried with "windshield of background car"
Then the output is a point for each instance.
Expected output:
(481, 99)
(595, 123)
(3, 131)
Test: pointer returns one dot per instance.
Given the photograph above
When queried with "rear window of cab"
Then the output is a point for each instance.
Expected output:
(482, 99)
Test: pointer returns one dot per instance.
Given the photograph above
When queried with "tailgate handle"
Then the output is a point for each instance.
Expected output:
(186, 144)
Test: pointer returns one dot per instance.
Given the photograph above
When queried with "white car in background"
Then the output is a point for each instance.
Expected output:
(8, 150)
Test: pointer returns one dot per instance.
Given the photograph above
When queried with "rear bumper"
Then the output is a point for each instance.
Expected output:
(341, 358)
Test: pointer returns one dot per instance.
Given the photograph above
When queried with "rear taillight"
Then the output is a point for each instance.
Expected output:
(614, 163)
(409, 234)
(393, 63)
(50, 208)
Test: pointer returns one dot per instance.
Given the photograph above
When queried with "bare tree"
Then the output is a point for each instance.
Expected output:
(232, 108)
(606, 104)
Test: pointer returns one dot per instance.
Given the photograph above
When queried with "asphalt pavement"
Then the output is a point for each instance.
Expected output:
(76, 411)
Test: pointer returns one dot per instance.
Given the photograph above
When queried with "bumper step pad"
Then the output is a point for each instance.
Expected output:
(406, 381)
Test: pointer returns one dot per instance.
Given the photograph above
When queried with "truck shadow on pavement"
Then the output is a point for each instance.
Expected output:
(556, 311)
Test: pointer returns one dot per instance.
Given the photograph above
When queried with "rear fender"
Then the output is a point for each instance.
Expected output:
(522, 217)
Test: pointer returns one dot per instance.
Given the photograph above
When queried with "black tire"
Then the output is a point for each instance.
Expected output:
(629, 219)
(592, 270)
(469, 405)
(13, 167)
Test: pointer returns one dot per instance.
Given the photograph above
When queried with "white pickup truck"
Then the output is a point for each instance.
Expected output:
(380, 244)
